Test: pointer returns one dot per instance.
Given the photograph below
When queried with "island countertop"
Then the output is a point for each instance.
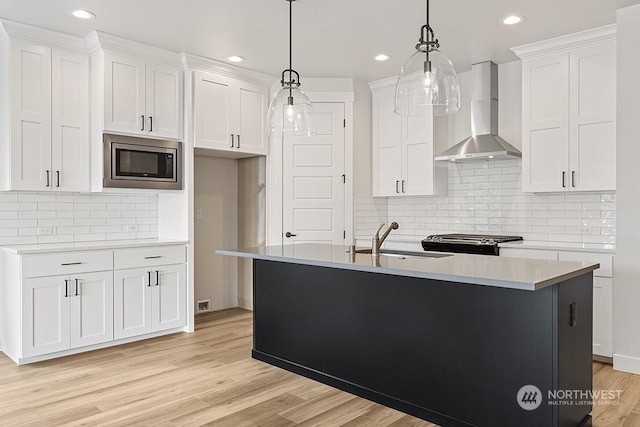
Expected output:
(512, 273)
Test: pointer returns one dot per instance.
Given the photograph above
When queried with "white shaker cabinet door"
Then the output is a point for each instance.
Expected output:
(70, 143)
(214, 111)
(45, 315)
(169, 293)
(91, 308)
(602, 316)
(163, 101)
(545, 130)
(30, 116)
(417, 156)
(592, 120)
(124, 86)
(252, 114)
(132, 302)
(387, 145)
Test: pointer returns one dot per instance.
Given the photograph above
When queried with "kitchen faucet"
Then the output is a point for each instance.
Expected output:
(377, 241)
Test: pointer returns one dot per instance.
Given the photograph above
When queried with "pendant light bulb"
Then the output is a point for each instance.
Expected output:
(428, 83)
(290, 111)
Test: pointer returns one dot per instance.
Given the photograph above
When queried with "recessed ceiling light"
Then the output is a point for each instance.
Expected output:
(83, 14)
(381, 57)
(512, 20)
(235, 58)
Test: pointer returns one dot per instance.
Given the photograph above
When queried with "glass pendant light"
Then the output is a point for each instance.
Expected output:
(427, 81)
(291, 110)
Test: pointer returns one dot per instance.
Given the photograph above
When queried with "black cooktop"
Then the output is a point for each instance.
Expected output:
(484, 244)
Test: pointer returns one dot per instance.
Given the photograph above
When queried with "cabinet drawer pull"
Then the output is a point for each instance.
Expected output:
(70, 263)
(66, 288)
(238, 141)
(150, 124)
(76, 287)
(232, 136)
(153, 257)
(149, 279)
(57, 178)
(563, 180)
(157, 278)
(142, 117)
(48, 178)
(573, 179)
(397, 183)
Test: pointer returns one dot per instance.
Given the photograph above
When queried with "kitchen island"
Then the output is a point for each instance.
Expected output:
(451, 339)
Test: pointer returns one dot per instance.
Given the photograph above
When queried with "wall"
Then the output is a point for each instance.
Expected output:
(216, 194)
(75, 217)
(626, 292)
(485, 197)
(251, 220)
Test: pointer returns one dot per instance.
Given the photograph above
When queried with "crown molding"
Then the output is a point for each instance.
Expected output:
(383, 83)
(97, 40)
(566, 43)
(200, 63)
(12, 29)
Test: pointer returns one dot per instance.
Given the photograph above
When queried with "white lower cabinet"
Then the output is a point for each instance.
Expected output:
(149, 300)
(602, 290)
(60, 303)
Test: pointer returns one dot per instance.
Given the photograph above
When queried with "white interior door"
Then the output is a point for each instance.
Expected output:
(313, 185)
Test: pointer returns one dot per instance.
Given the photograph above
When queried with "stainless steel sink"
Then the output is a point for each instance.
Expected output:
(404, 254)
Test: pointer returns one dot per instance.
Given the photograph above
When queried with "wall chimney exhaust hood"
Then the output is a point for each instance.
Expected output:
(484, 142)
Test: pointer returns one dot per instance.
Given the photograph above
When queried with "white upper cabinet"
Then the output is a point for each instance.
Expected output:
(229, 114)
(569, 97)
(403, 150)
(48, 123)
(142, 97)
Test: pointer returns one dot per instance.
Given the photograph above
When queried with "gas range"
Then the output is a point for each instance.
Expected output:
(483, 244)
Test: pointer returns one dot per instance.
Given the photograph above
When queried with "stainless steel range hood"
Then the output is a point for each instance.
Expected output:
(484, 143)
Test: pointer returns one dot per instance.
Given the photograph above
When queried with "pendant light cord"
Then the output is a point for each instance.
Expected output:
(428, 30)
(290, 47)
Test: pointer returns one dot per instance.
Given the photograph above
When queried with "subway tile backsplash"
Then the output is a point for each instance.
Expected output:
(486, 197)
(27, 218)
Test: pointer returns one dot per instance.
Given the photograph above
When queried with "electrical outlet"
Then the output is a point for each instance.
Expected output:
(132, 228)
(199, 214)
(45, 231)
(202, 306)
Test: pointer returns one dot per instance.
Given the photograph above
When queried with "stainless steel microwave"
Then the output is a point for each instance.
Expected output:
(131, 162)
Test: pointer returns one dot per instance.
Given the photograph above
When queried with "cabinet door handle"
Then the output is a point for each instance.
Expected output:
(403, 182)
(150, 124)
(149, 277)
(153, 257)
(238, 141)
(48, 178)
(70, 263)
(76, 287)
(142, 117)
(232, 136)
(573, 179)
(157, 278)
(66, 288)
(57, 178)
(397, 183)
(563, 179)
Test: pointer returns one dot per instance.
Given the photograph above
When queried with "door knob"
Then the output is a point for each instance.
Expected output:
(288, 234)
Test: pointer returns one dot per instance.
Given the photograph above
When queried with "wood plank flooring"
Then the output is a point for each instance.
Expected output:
(209, 378)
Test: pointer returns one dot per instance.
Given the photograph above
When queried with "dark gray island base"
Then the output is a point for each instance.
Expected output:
(452, 353)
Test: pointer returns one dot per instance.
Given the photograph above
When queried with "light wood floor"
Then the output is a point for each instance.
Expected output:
(208, 378)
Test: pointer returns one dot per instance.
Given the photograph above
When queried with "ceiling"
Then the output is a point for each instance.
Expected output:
(332, 38)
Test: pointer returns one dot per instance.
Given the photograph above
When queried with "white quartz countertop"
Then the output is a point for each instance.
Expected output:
(513, 273)
(561, 246)
(88, 246)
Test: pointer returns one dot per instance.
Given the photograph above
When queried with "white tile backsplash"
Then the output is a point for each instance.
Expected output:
(486, 197)
(76, 217)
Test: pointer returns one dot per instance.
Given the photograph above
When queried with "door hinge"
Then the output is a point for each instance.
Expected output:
(344, 178)
(344, 123)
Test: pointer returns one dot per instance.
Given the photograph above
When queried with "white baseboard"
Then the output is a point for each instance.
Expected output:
(626, 364)
(246, 303)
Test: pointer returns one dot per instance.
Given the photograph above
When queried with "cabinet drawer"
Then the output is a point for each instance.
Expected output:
(605, 260)
(149, 256)
(66, 263)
